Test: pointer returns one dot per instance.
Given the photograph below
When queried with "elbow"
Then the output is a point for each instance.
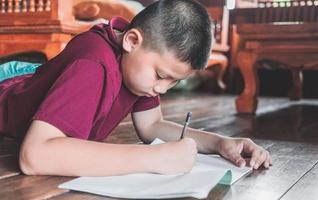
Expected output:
(144, 137)
(145, 140)
(29, 162)
(147, 134)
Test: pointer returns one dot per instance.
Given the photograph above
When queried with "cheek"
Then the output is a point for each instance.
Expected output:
(143, 78)
(135, 77)
(138, 73)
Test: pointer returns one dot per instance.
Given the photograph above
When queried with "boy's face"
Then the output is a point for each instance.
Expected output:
(148, 73)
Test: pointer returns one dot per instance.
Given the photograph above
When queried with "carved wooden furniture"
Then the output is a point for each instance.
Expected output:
(286, 32)
(43, 26)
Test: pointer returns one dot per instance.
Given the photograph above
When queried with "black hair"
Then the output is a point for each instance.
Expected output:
(183, 26)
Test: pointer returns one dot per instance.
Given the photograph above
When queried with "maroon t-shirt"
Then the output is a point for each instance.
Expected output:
(80, 91)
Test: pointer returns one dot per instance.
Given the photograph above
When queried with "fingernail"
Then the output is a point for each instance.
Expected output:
(255, 166)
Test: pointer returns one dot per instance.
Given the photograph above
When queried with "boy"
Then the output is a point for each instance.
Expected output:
(76, 99)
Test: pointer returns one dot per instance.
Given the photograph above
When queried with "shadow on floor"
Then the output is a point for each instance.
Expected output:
(294, 123)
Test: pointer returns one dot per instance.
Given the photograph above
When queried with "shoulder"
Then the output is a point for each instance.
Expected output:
(85, 64)
(90, 45)
(93, 72)
(81, 72)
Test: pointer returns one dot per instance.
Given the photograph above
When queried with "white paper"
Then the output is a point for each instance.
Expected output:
(206, 173)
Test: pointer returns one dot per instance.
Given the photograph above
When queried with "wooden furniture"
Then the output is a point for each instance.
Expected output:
(46, 27)
(286, 32)
(292, 141)
(220, 16)
(43, 26)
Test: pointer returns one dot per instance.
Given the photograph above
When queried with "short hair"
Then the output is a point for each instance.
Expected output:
(183, 26)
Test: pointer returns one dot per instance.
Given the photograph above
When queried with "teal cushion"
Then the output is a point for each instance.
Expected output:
(16, 68)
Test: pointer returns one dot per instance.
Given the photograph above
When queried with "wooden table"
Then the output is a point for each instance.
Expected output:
(293, 45)
(287, 129)
(285, 32)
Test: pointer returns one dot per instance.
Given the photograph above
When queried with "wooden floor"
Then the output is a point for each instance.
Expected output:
(289, 130)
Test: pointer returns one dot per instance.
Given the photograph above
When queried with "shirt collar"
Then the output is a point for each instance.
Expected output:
(108, 31)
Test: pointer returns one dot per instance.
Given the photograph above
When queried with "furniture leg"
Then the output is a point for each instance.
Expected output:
(220, 76)
(221, 61)
(295, 92)
(247, 101)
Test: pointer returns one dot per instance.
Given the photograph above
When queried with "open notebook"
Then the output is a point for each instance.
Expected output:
(208, 171)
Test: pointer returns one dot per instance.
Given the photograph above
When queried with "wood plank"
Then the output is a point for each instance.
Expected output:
(306, 188)
(296, 122)
(272, 31)
(291, 159)
(180, 105)
(31, 187)
(9, 166)
(290, 162)
(80, 196)
(222, 119)
(211, 117)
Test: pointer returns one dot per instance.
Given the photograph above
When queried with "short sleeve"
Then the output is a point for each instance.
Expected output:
(72, 101)
(146, 103)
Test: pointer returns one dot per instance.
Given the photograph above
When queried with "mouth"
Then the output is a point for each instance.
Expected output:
(151, 95)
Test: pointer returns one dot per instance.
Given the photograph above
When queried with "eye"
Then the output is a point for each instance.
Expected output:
(159, 77)
(175, 82)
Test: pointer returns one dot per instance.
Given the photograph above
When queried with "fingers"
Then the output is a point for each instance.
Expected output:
(232, 150)
(234, 153)
(268, 161)
(238, 160)
(260, 157)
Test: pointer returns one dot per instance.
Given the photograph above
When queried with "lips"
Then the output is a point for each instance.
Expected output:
(151, 94)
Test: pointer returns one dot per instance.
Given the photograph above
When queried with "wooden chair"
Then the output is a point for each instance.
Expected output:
(220, 14)
(286, 32)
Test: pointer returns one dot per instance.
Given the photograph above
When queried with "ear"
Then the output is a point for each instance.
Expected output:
(132, 39)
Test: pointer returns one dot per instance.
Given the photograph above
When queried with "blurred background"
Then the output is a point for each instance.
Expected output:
(281, 33)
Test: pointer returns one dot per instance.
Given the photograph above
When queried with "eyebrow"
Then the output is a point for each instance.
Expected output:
(160, 71)
(166, 75)
(170, 77)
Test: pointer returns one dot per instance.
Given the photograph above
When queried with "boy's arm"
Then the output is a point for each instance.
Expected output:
(47, 151)
(150, 124)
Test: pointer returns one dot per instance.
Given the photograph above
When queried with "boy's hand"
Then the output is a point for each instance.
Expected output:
(177, 157)
(233, 148)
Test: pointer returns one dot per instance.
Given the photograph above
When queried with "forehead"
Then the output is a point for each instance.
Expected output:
(166, 62)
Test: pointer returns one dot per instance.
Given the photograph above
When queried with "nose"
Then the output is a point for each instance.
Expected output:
(160, 88)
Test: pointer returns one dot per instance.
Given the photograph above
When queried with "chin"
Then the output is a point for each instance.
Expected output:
(134, 91)
(140, 94)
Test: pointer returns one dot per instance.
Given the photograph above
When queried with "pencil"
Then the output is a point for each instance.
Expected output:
(186, 123)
